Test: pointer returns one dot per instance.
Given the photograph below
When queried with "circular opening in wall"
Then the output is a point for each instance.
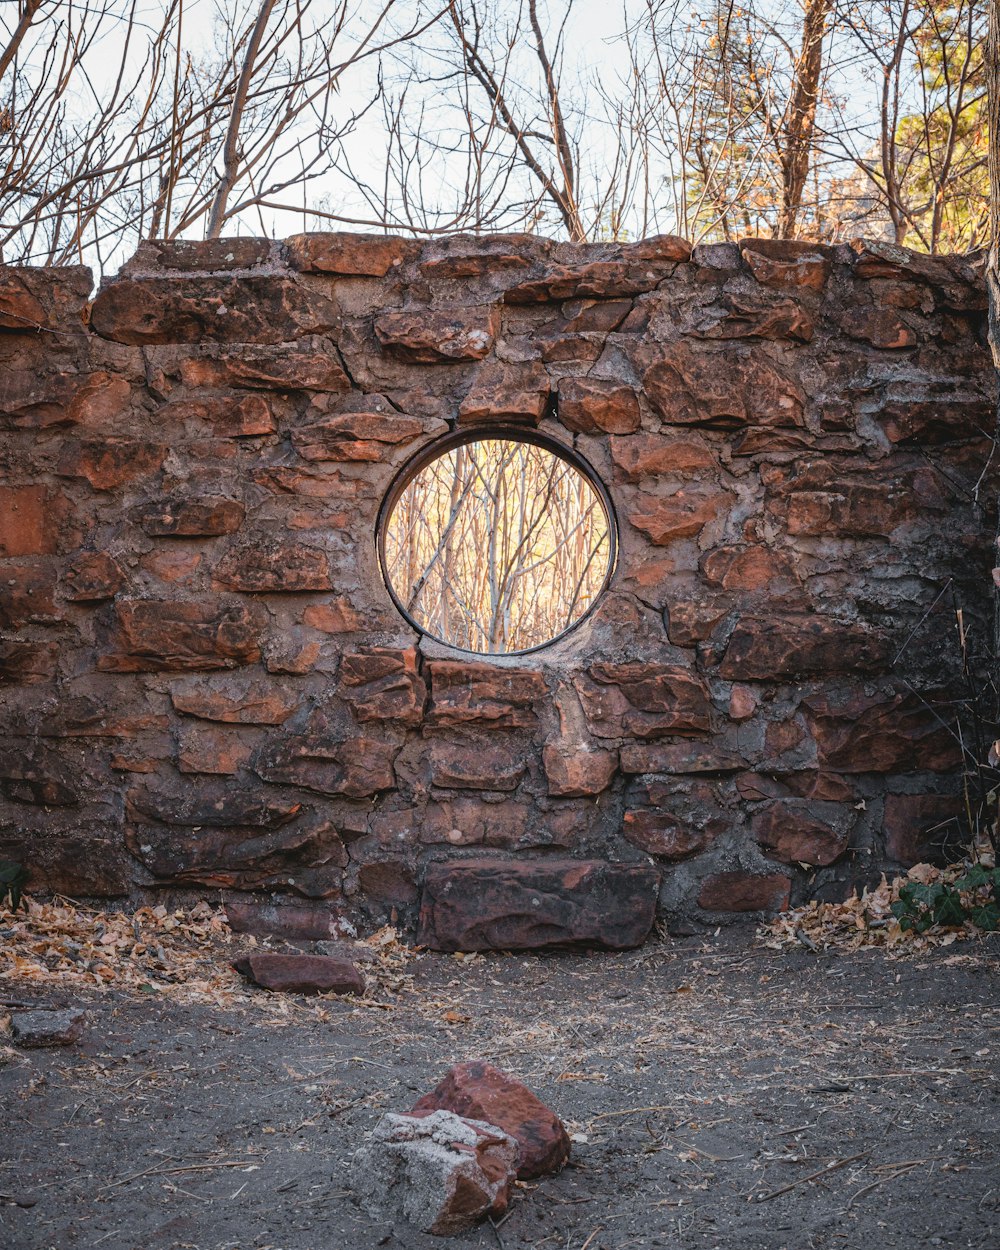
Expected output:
(497, 542)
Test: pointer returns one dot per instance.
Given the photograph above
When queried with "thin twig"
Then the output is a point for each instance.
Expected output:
(804, 1180)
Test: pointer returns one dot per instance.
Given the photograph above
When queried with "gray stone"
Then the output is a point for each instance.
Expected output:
(45, 1027)
(439, 1172)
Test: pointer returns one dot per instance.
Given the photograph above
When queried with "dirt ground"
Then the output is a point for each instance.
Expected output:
(719, 1095)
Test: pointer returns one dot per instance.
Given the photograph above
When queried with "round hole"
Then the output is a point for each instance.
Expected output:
(496, 543)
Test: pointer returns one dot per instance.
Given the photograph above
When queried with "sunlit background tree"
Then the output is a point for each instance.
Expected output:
(814, 119)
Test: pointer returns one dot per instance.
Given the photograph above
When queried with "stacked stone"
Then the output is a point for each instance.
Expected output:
(207, 686)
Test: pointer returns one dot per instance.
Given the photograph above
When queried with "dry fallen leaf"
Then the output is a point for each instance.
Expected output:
(866, 920)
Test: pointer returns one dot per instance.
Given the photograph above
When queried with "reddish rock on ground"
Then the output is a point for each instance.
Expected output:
(302, 974)
(482, 1092)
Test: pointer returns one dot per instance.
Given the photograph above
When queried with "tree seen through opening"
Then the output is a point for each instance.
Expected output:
(497, 545)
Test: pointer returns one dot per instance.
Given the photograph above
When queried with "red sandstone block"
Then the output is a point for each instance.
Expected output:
(161, 635)
(19, 308)
(217, 804)
(573, 770)
(254, 308)
(598, 406)
(112, 462)
(499, 265)
(349, 255)
(389, 883)
(881, 734)
(691, 622)
(302, 974)
(692, 385)
(306, 856)
(432, 336)
(582, 316)
(235, 700)
(199, 255)
(272, 565)
(475, 765)
(186, 518)
(918, 827)
(481, 1092)
(337, 616)
(467, 692)
(468, 821)
(763, 648)
(502, 392)
(788, 263)
(752, 569)
(90, 577)
(356, 767)
(28, 522)
(757, 314)
(853, 510)
(488, 904)
(259, 367)
(684, 514)
(232, 416)
(598, 279)
(803, 833)
(27, 663)
(27, 592)
(745, 891)
(665, 835)
(680, 757)
(638, 699)
(350, 436)
(211, 749)
(298, 921)
(383, 683)
(643, 455)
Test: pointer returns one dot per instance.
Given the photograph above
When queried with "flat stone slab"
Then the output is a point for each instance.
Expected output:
(302, 974)
(45, 1027)
(487, 904)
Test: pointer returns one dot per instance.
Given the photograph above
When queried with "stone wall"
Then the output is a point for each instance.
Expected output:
(207, 687)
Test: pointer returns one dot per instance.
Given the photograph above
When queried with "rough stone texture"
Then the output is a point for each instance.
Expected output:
(491, 905)
(479, 1091)
(42, 1027)
(301, 974)
(803, 833)
(190, 595)
(438, 1172)
(744, 891)
(349, 255)
(429, 336)
(506, 393)
(597, 406)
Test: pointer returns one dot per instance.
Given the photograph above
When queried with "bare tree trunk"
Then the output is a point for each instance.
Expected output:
(800, 125)
(993, 254)
(230, 149)
(993, 124)
(31, 7)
